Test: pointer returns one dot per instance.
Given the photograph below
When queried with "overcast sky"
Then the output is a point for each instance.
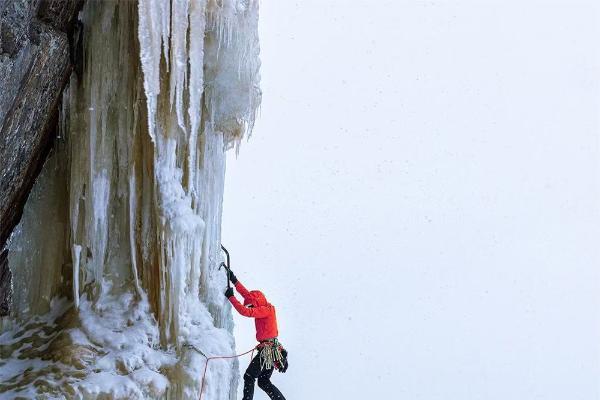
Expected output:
(420, 199)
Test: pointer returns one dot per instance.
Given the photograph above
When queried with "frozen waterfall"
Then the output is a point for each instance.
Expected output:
(115, 260)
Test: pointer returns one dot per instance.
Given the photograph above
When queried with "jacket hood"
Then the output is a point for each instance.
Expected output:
(256, 299)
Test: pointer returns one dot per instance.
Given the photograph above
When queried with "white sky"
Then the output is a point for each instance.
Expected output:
(421, 199)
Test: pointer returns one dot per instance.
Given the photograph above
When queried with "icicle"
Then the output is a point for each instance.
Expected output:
(153, 30)
(76, 254)
(232, 68)
(196, 86)
(179, 56)
(132, 236)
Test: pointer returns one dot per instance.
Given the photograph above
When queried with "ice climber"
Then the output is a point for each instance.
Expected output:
(271, 355)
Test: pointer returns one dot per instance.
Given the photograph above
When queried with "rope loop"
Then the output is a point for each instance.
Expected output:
(216, 358)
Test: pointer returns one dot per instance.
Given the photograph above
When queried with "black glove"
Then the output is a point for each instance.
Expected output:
(284, 362)
(229, 292)
(232, 277)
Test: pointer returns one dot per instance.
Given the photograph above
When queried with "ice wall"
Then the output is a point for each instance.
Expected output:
(115, 260)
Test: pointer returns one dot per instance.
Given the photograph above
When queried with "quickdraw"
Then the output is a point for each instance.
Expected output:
(272, 354)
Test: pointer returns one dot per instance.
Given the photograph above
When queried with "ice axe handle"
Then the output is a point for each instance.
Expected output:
(227, 266)
(227, 254)
(226, 270)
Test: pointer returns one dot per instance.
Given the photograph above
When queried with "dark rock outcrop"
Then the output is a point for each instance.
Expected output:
(35, 64)
(5, 284)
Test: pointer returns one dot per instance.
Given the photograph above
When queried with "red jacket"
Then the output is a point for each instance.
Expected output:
(262, 311)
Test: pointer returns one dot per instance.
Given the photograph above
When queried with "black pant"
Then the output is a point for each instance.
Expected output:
(253, 372)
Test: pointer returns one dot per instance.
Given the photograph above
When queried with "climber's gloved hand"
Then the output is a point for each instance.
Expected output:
(284, 362)
(232, 277)
(284, 366)
(229, 292)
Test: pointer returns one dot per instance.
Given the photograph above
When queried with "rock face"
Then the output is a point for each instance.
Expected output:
(35, 63)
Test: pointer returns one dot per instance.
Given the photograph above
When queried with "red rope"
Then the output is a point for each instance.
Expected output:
(220, 357)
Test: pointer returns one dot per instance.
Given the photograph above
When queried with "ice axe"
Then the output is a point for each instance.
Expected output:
(227, 266)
